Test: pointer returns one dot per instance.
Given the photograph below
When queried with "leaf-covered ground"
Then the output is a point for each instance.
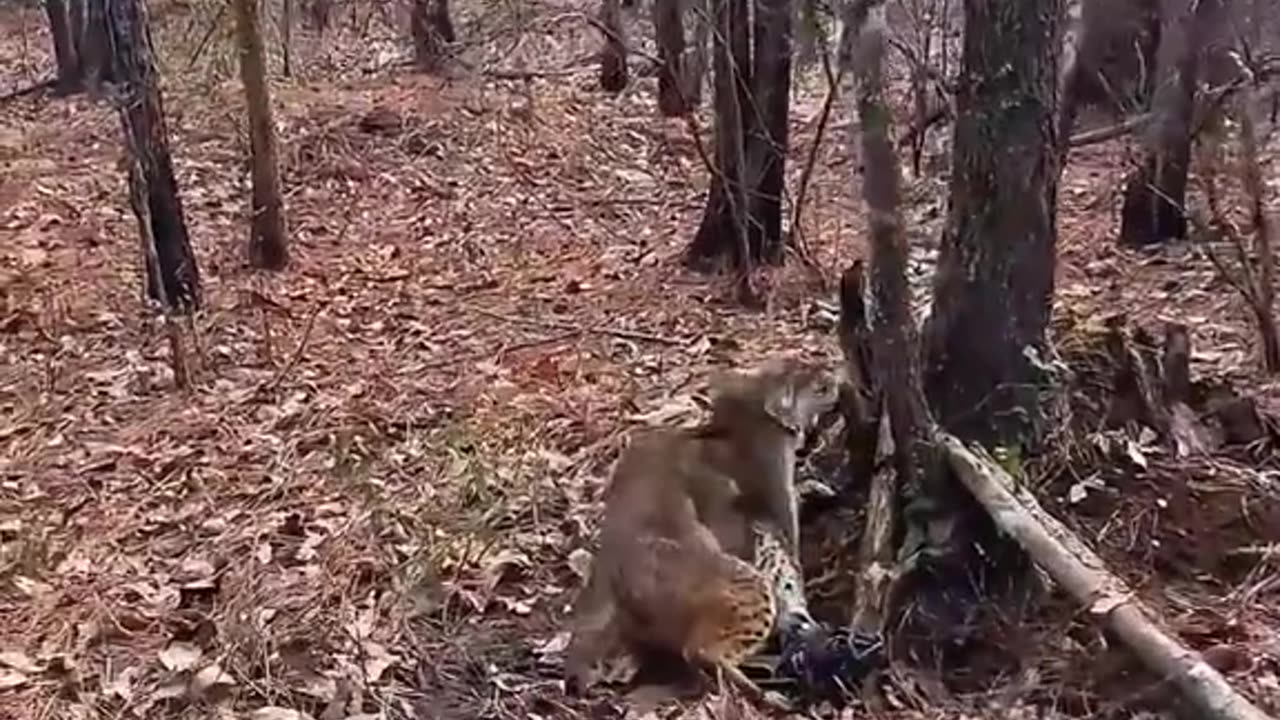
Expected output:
(376, 498)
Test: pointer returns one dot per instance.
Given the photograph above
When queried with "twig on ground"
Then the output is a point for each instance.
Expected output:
(297, 354)
(593, 330)
(23, 92)
(511, 347)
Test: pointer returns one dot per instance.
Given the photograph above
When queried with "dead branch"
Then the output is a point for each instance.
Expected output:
(1082, 574)
(806, 174)
(31, 90)
(1103, 134)
(297, 354)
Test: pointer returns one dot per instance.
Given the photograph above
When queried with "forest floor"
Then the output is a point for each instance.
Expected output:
(375, 498)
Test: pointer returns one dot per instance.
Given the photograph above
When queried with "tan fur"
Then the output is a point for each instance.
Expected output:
(683, 517)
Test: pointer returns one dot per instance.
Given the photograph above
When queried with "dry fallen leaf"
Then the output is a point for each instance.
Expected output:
(209, 678)
(19, 661)
(273, 712)
(580, 563)
(11, 679)
(180, 656)
(497, 565)
(376, 660)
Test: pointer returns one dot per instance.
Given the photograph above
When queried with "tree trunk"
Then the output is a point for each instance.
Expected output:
(761, 76)
(1256, 189)
(64, 49)
(994, 285)
(318, 12)
(268, 245)
(613, 56)
(432, 28)
(1155, 193)
(95, 58)
(894, 359)
(172, 278)
(76, 16)
(669, 34)
(1069, 70)
(695, 70)
(286, 40)
(767, 147)
(723, 229)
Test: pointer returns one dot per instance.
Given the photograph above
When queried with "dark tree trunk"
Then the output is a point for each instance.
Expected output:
(613, 56)
(760, 91)
(286, 39)
(76, 16)
(1155, 193)
(432, 28)
(95, 57)
(695, 69)
(767, 147)
(318, 12)
(723, 230)
(994, 285)
(268, 245)
(669, 34)
(173, 279)
(64, 49)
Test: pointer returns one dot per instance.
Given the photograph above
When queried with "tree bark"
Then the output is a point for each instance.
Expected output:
(432, 28)
(613, 56)
(894, 359)
(95, 57)
(1069, 64)
(669, 34)
(64, 49)
(76, 15)
(172, 277)
(753, 85)
(286, 40)
(723, 229)
(318, 12)
(695, 69)
(268, 244)
(994, 286)
(767, 147)
(1265, 303)
(1155, 193)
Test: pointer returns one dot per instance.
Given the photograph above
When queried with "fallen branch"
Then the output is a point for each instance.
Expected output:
(1082, 574)
(23, 92)
(1103, 134)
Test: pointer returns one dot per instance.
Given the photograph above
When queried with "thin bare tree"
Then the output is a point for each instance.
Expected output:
(268, 243)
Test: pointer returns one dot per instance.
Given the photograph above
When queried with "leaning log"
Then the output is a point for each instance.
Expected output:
(1082, 574)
